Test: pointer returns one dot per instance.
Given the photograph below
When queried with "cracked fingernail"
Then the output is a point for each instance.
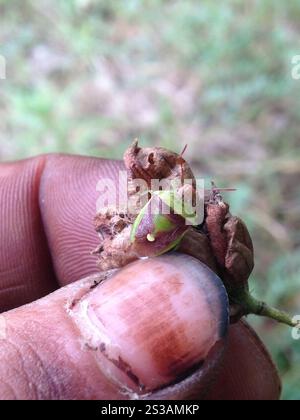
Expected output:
(154, 322)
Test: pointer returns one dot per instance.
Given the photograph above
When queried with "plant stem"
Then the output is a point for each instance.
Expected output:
(256, 307)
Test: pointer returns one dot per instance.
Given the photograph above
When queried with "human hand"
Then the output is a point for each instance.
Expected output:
(47, 205)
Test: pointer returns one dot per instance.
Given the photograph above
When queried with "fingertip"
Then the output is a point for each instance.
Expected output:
(26, 271)
(113, 336)
(68, 201)
(163, 318)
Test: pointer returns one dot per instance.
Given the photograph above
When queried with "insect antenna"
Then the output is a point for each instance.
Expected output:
(181, 161)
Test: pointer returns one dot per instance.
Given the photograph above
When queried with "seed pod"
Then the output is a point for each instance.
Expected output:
(215, 220)
(231, 244)
(155, 163)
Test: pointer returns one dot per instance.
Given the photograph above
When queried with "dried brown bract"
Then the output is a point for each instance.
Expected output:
(239, 260)
(215, 218)
(115, 249)
(231, 244)
(196, 244)
(155, 163)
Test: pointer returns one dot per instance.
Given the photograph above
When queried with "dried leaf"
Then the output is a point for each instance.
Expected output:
(231, 244)
(239, 260)
(197, 245)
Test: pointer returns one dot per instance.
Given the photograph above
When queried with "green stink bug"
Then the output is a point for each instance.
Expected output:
(160, 225)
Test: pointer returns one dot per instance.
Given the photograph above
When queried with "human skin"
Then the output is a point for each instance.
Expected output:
(47, 205)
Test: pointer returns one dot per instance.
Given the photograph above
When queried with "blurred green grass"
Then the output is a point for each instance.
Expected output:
(87, 76)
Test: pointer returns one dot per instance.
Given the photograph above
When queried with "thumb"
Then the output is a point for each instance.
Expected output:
(152, 330)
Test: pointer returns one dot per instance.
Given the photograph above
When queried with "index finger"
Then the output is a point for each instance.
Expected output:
(68, 201)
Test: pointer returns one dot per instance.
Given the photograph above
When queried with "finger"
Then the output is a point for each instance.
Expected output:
(26, 271)
(248, 372)
(68, 198)
(86, 342)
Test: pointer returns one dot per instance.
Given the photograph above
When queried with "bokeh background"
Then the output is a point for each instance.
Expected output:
(87, 76)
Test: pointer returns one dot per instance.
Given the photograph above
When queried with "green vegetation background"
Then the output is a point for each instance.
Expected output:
(87, 76)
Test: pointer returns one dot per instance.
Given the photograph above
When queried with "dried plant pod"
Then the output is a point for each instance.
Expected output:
(231, 244)
(222, 242)
(215, 219)
(196, 244)
(239, 259)
(155, 163)
(109, 221)
(114, 227)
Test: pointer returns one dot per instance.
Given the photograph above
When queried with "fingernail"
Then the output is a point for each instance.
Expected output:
(154, 322)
